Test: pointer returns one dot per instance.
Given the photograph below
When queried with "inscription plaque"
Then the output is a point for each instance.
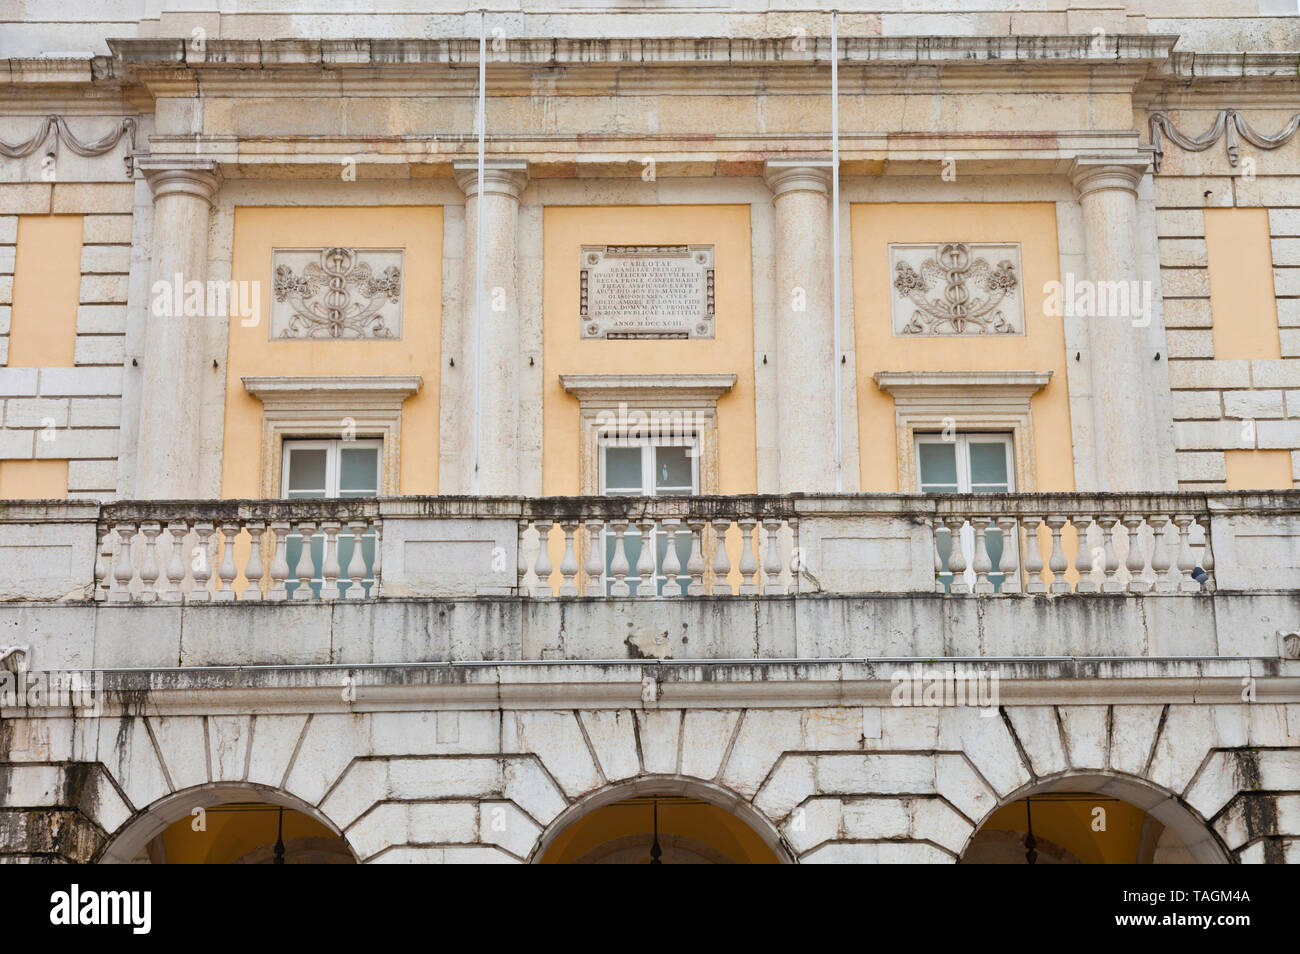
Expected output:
(647, 291)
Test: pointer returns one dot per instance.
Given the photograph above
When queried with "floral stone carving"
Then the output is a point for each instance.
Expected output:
(955, 288)
(337, 293)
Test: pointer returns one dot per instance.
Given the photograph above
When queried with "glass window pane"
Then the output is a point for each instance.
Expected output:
(938, 464)
(623, 468)
(307, 472)
(673, 469)
(988, 463)
(358, 471)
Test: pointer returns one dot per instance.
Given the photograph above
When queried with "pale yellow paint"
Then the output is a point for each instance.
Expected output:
(33, 479)
(232, 831)
(1258, 469)
(258, 231)
(726, 227)
(47, 291)
(1042, 348)
(1242, 304)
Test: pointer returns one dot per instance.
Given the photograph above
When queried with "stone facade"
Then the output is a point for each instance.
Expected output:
(484, 679)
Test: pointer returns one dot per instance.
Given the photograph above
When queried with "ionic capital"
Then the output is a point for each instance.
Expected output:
(797, 175)
(506, 177)
(199, 179)
(1096, 173)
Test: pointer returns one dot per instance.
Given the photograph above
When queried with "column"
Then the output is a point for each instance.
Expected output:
(496, 211)
(804, 309)
(173, 378)
(1123, 430)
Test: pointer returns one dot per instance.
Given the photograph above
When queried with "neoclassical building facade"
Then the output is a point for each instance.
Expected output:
(597, 432)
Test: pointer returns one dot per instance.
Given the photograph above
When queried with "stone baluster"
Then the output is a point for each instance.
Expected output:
(253, 568)
(1111, 583)
(542, 591)
(377, 567)
(306, 566)
(721, 562)
(1160, 553)
(124, 566)
(1033, 558)
(329, 571)
(956, 558)
(1207, 560)
(175, 562)
(695, 564)
(982, 563)
(202, 567)
(618, 567)
(796, 555)
(226, 571)
(748, 565)
(1134, 562)
(1185, 564)
(645, 562)
(938, 555)
(672, 562)
(279, 563)
(149, 565)
(594, 567)
(1056, 561)
(521, 583)
(772, 557)
(357, 561)
(1007, 564)
(103, 561)
(1083, 555)
(569, 562)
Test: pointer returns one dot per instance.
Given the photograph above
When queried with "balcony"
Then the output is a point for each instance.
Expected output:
(801, 576)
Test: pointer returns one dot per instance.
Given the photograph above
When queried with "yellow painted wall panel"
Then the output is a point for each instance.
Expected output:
(727, 229)
(258, 231)
(47, 291)
(1042, 348)
(1258, 469)
(1242, 304)
(33, 479)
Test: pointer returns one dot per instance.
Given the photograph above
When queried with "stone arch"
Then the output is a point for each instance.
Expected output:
(124, 845)
(716, 795)
(1166, 807)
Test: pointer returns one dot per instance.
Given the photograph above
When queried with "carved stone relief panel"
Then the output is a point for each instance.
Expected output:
(956, 288)
(339, 293)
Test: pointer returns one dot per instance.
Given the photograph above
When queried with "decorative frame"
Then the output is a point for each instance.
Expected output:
(324, 407)
(618, 399)
(973, 401)
(694, 256)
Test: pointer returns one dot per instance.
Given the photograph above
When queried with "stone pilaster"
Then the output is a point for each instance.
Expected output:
(804, 308)
(173, 376)
(497, 212)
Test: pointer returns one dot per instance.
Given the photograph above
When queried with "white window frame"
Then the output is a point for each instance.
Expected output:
(691, 440)
(962, 439)
(333, 459)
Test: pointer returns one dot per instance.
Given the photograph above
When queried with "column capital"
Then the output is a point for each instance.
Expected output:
(200, 179)
(1095, 173)
(500, 177)
(797, 175)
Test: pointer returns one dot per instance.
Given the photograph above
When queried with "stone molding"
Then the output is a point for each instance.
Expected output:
(506, 177)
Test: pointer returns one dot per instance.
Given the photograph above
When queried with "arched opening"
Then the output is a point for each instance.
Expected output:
(229, 824)
(661, 821)
(1092, 819)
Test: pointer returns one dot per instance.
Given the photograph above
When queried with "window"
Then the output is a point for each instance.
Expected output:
(326, 469)
(649, 467)
(971, 463)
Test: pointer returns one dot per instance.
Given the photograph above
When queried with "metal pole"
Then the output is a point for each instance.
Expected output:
(478, 247)
(835, 242)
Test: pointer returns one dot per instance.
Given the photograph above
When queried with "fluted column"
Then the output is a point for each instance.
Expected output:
(804, 308)
(172, 373)
(497, 211)
(1122, 425)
